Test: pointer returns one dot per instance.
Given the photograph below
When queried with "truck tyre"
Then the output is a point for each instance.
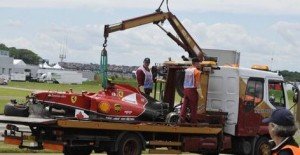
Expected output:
(212, 153)
(16, 110)
(246, 147)
(262, 146)
(77, 150)
(130, 144)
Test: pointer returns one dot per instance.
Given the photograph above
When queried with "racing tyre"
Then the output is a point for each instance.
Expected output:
(16, 110)
(172, 118)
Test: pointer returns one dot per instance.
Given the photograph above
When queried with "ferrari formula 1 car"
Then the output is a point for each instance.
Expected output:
(117, 102)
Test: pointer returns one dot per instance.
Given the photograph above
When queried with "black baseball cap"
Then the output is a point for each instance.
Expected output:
(195, 59)
(147, 60)
(281, 117)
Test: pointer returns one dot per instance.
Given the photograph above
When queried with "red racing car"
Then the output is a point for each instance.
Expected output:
(117, 102)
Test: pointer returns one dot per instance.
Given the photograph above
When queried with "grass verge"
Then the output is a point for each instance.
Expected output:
(7, 148)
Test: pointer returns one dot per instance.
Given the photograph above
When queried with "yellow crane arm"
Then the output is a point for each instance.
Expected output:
(193, 48)
(134, 22)
(186, 41)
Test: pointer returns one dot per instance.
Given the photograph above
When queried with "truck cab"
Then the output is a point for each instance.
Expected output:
(247, 95)
(244, 96)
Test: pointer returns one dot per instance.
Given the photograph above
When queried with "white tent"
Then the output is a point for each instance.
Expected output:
(45, 65)
(57, 66)
(19, 62)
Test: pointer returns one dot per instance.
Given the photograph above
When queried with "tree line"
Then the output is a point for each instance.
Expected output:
(29, 57)
(290, 76)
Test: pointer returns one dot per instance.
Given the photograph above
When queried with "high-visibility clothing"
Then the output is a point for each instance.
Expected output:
(191, 78)
(296, 150)
(148, 81)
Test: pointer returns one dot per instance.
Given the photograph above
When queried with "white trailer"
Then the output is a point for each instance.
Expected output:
(18, 77)
(60, 76)
(68, 77)
(224, 57)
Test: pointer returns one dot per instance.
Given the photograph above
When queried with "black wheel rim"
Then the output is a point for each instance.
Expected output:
(130, 148)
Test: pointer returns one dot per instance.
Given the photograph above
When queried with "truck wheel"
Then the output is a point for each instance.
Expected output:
(262, 146)
(212, 153)
(77, 150)
(16, 110)
(130, 144)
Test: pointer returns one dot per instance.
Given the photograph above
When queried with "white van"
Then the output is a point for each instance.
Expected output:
(3, 79)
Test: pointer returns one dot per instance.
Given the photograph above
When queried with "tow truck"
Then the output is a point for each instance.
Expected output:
(234, 102)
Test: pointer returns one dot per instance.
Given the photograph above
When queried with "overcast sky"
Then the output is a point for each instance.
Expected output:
(263, 31)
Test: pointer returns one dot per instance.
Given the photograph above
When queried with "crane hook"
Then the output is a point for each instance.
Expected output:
(105, 42)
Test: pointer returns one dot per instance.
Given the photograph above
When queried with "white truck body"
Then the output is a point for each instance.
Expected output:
(226, 89)
(224, 57)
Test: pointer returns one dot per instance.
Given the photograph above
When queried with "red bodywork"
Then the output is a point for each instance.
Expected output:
(249, 122)
(118, 102)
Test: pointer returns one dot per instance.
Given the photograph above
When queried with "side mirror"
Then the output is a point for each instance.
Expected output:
(296, 94)
(154, 72)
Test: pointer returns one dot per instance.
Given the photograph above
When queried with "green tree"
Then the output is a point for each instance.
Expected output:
(3, 47)
(26, 55)
(290, 76)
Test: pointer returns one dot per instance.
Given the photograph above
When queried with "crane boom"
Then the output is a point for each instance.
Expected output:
(186, 40)
(134, 22)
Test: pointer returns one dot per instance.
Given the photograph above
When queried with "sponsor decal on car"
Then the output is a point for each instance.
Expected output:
(128, 112)
(73, 99)
(120, 118)
(120, 93)
(57, 95)
(104, 107)
(118, 108)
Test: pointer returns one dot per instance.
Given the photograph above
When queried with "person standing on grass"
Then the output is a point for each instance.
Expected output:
(282, 128)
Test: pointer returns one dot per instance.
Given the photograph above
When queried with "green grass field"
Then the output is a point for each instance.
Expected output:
(92, 87)
(6, 148)
(6, 93)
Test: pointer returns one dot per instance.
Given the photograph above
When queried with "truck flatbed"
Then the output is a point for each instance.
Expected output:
(69, 134)
(113, 125)
(141, 127)
(26, 120)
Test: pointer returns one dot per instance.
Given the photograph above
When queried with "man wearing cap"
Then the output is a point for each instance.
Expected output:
(282, 129)
(144, 77)
(190, 85)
